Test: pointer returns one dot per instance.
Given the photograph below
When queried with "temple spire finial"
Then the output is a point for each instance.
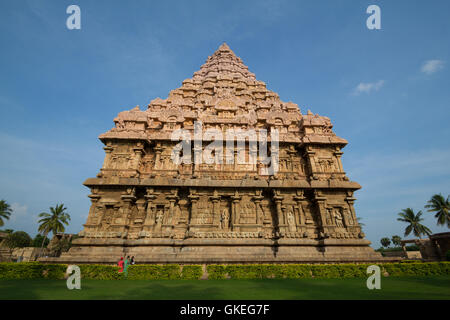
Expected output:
(224, 62)
(224, 46)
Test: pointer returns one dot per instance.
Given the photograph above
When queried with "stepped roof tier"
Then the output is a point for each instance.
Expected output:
(222, 93)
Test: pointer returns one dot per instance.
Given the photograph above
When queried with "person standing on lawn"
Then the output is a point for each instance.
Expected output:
(127, 263)
(120, 264)
(132, 260)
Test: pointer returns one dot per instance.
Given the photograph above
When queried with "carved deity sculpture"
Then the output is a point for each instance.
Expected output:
(348, 216)
(291, 221)
(159, 217)
(338, 218)
(242, 215)
(106, 222)
(224, 220)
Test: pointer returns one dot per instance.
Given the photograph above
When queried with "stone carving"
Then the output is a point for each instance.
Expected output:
(348, 216)
(225, 220)
(291, 221)
(140, 194)
(338, 218)
(159, 218)
(247, 214)
(329, 216)
(326, 165)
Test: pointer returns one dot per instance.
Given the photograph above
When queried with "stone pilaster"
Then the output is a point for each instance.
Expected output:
(158, 149)
(92, 216)
(259, 214)
(299, 213)
(338, 154)
(278, 199)
(310, 154)
(193, 198)
(322, 212)
(235, 216)
(108, 152)
(138, 153)
(215, 198)
(127, 199)
(150, 217)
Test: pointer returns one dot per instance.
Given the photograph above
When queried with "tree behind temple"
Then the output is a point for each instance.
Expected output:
(413, 220)
(397, 241)
(441, 207)
(53, 222)
(5, 212)
(18, 239)
(37, 241)
(385, 242)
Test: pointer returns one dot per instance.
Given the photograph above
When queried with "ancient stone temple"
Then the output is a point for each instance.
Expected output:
(147, 205)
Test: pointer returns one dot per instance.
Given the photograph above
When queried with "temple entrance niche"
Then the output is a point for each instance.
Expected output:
(202, 214)
(246, 211)
(247, 214)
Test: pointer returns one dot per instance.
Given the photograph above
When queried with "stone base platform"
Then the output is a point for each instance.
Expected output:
(223, 251)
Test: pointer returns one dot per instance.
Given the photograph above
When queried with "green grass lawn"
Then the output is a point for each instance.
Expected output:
(286, 289)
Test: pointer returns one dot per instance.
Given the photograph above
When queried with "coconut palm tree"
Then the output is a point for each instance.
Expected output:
(397, 241)
(385, 242)
(5, 211)
(53, 222)
(441, 206)
(407, 215)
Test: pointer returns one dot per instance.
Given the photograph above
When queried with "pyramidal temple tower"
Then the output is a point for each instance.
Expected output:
(146, 204)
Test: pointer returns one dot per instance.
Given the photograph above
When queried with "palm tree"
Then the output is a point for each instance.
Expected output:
(441, 206)
(396, 240)
(5, 211)
(385, 242)
(407, 215)
(53, 222)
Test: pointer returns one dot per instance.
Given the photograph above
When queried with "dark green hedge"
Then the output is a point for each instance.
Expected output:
(100, 272)
(36, 270)
(417, 269)
(31, 270)
(191, 272)
(298, 271)
(164, 272)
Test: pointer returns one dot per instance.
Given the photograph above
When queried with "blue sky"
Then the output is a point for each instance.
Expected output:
(386, 91)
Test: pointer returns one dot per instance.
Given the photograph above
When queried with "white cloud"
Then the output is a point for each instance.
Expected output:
(368, 87)
(432, 66)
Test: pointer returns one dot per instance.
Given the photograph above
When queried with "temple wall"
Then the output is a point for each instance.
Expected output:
(203, 212)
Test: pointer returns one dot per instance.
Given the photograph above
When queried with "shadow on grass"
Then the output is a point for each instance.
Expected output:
(264, 289)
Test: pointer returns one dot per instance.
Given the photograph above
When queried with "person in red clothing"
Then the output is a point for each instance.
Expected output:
(120, 264)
